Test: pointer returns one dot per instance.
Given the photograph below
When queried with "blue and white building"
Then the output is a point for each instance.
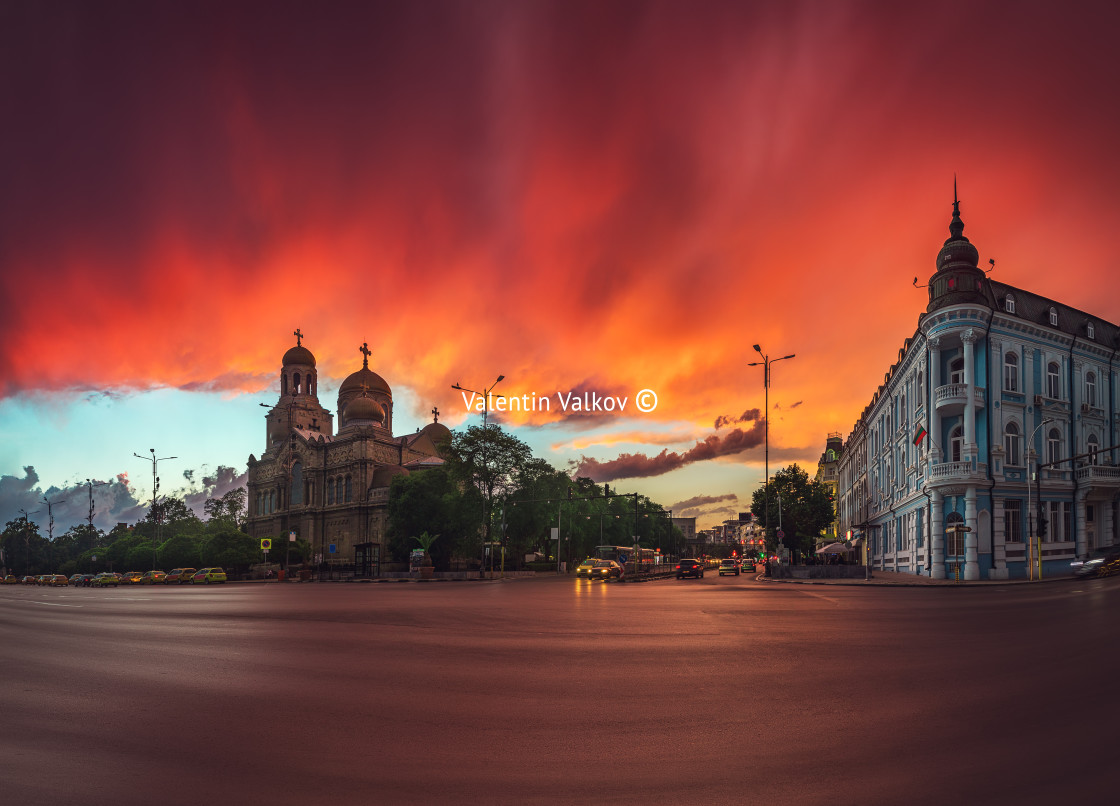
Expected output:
(995, 381)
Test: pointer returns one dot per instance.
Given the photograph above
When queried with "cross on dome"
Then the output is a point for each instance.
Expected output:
(365, 351)
(435, 415)
(299, 337)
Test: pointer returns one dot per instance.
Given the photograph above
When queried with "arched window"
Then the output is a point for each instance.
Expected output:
(1054, 316)
(349, 490)
(1053, 445)
(338, 490)
(956, 445)
(956, 370)
(1011, 445)
(1009, 304)
(295, 384)
(1091, 389)
(1092, 446)
(1053, 381)
(284, 383)
(297, 484)
(1011, 372)
(330, 491)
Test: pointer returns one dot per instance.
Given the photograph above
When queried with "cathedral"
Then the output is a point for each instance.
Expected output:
(332, 489)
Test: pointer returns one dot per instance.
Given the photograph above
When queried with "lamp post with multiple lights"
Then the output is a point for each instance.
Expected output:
(765, 364)
(155, 494)
(486, 522)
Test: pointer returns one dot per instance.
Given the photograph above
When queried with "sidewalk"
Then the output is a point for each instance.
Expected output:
(901, 580)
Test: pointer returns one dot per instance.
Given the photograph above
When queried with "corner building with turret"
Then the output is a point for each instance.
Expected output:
(996, 381)
(332, 489)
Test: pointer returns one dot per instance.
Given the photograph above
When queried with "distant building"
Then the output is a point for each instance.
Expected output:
(993, 379)
(828, 474)
(333, 489)
(687, 527)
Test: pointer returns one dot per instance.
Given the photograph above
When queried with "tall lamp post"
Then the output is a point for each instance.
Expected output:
(765, 364)
(486, 515)
(1030, 512)
(155, 490)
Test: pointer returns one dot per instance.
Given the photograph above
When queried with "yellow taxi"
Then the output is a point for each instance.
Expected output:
(133, 577)
(179, 575)
(57, 580)
(152, 577)
(208, 575)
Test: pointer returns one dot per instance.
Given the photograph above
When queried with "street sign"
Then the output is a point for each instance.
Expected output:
(291, 537)
(781, 534)
(266, 543)
(332, 548)
(555, 533)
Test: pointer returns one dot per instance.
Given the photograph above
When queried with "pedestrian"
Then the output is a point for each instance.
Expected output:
(268, 574)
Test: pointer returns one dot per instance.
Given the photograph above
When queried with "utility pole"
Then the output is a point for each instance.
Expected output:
(155, 495)
(50, 516)
(765, 364)
(90, 484)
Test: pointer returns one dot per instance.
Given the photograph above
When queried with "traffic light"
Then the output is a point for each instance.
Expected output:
(1041, 526)
(569, 493)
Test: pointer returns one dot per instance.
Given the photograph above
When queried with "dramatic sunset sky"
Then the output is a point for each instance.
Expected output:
(591, 196)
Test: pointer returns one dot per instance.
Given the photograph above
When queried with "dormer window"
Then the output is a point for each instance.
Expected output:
(1089, 331)
(1009, 304)
(1053, 316)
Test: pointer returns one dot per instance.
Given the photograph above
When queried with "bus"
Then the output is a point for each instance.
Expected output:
(633, 559)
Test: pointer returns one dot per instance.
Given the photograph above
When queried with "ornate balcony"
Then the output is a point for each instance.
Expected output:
(1102, 475)
(952, 398)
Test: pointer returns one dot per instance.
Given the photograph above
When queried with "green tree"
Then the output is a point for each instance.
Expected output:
(25, 550)
(179, 551)
(229, 507)
(489, 460)
(431, 501)
(226, 546)
(802, 505)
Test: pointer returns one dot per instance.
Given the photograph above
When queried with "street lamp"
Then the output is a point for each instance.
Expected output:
(765, 364)
(155, 489)
(485, 396)
(486, 515)
(1030, 512)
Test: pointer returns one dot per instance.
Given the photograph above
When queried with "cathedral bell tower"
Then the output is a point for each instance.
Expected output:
(298, 406)
(958, 279)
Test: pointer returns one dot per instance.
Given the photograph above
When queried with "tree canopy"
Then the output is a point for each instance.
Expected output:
(802, 506)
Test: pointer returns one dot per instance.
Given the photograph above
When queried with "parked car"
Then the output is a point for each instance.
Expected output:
(133, 577)
(729, 567)
(179, 575)
(29, 580)
(208, 575)
(690, 568)
(1100, 563)
(105, 580)
(11, 579)
(85, 581)
(152, 577)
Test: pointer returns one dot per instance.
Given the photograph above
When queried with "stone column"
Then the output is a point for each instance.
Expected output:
(1082, 549)
(969, 339)
(934, 382)
(971, 560)
(937, 536)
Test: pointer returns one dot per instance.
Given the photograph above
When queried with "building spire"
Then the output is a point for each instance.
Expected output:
(365, 351)
(299, 338)
(956, 226)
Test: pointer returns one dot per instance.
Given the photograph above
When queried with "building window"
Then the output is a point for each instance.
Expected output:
(1009, 304)
(338, 499)
(956, 444)
(1092, 446)
(1053, 381)
(956, 370)
(330, 491)
(1012, 521)
(1011, 445)
(1091, 389)
(349, 490)
(1090, 331)
(1011, 372)
(297, 484)
(295, 384)
(1053, 445)
(1054, 316)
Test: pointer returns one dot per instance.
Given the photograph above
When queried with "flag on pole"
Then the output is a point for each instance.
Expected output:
(920, 434)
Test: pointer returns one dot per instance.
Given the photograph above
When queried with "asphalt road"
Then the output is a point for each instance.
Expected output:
(721, 690)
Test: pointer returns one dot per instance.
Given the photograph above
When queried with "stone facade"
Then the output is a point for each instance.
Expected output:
(332, 489)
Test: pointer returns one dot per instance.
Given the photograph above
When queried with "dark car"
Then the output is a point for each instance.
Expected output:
(690, 568)
(1100, 563)
(729, 567)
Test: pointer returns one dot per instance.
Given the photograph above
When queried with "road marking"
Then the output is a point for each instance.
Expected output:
(53, 604)
(127, 598)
